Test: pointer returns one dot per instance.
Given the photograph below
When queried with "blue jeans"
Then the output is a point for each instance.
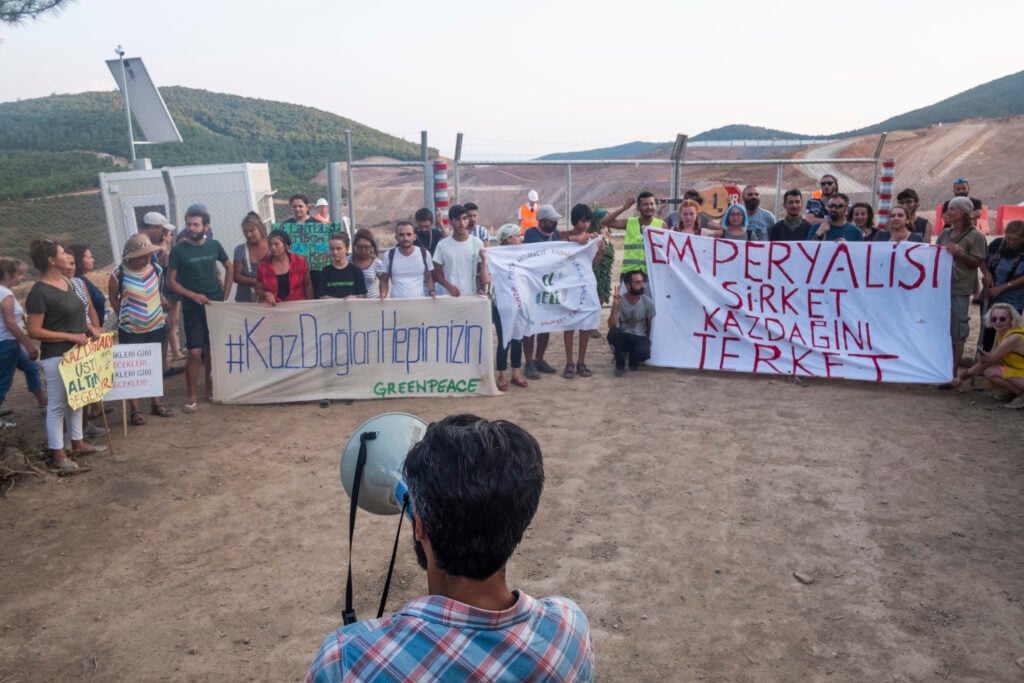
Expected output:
(8, 364)
(31, 370)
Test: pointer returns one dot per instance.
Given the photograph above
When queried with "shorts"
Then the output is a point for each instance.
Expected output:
(156, 336)
(959, 318)
(197, 333)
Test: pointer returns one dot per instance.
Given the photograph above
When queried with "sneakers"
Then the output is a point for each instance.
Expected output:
(4, 424)
(92, 430)
(530, 371)
(1015, 404)
(543, 366)
(66, 465)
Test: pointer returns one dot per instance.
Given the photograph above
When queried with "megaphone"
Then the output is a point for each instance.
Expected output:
(371, 472)
(388, 438)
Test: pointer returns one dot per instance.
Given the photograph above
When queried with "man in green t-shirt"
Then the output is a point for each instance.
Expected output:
(192, 273)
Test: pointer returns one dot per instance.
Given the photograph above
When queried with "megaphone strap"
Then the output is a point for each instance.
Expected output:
(348, 615)
(394, 554)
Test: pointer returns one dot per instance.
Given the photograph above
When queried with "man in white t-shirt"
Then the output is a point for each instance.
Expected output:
(459, 260)
(408, 266)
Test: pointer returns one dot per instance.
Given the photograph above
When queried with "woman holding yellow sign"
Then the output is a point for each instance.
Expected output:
(56, 317)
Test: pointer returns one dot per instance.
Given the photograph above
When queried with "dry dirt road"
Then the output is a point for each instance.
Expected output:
(679, 508)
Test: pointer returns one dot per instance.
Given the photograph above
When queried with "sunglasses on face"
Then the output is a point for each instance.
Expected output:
(828, 182)
(999, 319)
(837, 206)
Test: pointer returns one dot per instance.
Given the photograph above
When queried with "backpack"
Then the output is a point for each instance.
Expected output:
(391, 259)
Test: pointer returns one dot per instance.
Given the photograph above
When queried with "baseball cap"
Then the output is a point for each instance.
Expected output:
(546, 212)
(506, 231)
(156, 218)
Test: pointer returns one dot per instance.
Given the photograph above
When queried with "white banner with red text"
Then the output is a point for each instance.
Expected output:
(356, 349)
(875, 311)
(544, 287)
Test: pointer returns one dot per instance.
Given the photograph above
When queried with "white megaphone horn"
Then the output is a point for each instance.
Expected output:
(388, 438)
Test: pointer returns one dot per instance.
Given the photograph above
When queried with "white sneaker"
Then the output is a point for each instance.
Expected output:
(93, 430)
(1015, 404)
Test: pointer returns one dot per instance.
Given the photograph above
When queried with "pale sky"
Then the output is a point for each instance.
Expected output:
(530, 77)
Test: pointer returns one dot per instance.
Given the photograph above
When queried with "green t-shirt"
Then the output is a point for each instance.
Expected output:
(196, 266)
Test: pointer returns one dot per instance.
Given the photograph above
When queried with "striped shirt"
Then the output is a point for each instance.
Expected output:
(141, 311)
(435, 638)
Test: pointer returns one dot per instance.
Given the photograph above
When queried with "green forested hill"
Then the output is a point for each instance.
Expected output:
(298, 141)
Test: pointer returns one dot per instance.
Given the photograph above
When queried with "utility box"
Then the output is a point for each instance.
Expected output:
(229, 191)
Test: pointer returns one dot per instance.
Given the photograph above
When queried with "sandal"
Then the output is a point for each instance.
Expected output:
(569, 372)
(137, 418)
(583, 371)
(502, 385)
(190, 408)
(520, 382)
(161, 410)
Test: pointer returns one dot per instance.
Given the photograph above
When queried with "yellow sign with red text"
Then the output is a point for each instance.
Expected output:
(88, 371)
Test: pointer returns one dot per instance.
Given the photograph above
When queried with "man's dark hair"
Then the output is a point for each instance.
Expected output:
(909, 193)
(424, 215)
(304, 198)
(846, 200)
(401, 223)
(833, 178)
(192, 213)
(792, 193)
(694, 195)
(457, 211)
(580, 212)
(470, 206)
(643, 195)
(475, 484)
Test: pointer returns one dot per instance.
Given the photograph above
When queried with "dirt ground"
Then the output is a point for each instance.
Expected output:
(679, 509)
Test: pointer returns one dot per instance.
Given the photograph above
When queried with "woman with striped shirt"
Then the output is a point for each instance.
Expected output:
(134, 290)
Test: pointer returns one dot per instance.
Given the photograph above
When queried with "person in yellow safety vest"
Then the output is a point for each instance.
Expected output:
(633, 245)
(528, 212)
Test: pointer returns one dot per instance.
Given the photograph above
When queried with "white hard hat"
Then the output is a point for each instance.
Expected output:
(532, 195)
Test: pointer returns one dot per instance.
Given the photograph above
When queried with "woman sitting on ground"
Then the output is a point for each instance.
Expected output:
(1003, 366)
(57, 318)
(364, 256)
(134, 289)
(898, 228)
(282, 275)
(247, 256)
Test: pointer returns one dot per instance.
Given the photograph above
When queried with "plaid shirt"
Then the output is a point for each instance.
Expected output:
(434, 638)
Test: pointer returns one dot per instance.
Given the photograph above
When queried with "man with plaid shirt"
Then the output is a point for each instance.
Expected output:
(474, 487)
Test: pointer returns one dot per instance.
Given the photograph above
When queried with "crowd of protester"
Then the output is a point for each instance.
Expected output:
(160, 278)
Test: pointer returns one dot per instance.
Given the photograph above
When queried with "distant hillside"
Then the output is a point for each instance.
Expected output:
(995, 99)
(630, 149)
(297, 140)
(742, 132)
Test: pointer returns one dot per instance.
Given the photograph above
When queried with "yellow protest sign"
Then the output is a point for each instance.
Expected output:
(88, 371)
